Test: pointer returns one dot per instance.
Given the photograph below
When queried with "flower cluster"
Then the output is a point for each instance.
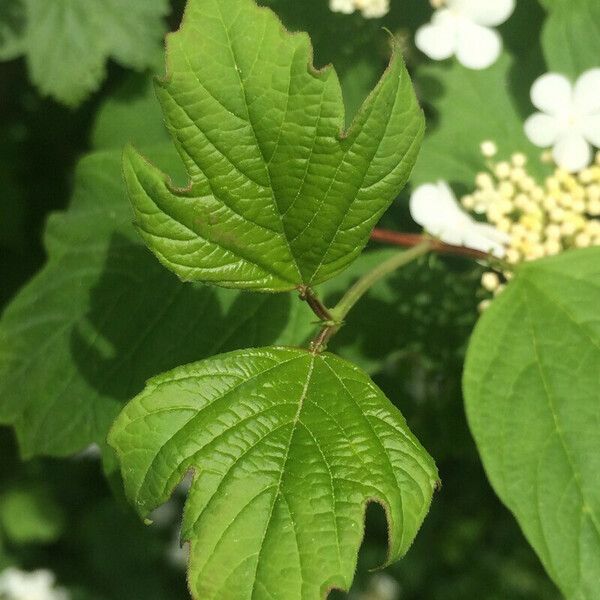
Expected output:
(524, 220)
(37, 585)
(370, 9)
(510, 215)
(540, 220)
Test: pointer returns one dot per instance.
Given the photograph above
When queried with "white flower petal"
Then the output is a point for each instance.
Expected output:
(552, 93)
(542, 130)
(478, 47)
(429, 207)
(590, 127)
(494, 234)
(572, 152)
(486, 238)
(438, 38)
(484, 12)
(587, 92)
(453, 233)
(434, 207)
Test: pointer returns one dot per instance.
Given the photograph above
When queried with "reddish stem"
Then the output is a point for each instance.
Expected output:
(408, 240)
(315, 304)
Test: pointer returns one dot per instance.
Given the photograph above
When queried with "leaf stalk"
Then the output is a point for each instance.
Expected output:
(368, 280)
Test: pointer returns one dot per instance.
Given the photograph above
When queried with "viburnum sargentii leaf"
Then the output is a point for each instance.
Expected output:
(532, 391)
(287, 448)
(280, 195)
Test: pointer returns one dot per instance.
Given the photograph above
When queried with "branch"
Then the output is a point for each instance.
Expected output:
(419, 245)
(409, 240)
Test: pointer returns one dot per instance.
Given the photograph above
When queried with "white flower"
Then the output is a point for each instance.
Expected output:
(463, 27)
(569, 120)
(37, 585)
(434, 207)
(371, 9)
(384, 587)
(343, 6)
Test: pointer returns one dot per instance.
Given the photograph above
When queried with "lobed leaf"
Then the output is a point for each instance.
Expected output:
(287, 448)
(531, 387)
(279, 195)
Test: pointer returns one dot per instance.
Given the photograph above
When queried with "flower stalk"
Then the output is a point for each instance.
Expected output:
(335, 316)
(367, 281)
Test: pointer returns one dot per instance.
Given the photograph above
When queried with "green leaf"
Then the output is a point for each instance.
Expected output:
(12, 26)
(103, 316)
(130, 115)
(67, 42)
(30, 516)
(279, 195)
(532, 394)
(471, 107)
(571, 36)
(287, 448)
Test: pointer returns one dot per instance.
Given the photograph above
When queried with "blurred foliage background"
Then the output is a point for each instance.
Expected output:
(410, 333)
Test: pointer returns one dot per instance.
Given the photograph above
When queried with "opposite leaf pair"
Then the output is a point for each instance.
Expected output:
(288, 446)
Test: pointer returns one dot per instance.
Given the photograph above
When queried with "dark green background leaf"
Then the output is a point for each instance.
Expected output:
(68, 42)
(571, 36)
(532, 391)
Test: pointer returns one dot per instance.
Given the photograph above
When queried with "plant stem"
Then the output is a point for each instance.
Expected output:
(367, 281)
(419, 245)
(315, 304)
(409, 240)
